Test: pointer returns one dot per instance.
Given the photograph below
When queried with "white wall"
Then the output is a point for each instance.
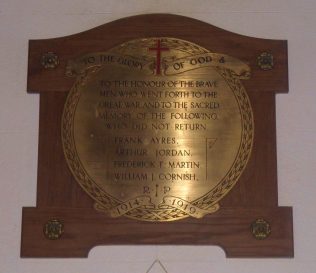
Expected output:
(296, 128)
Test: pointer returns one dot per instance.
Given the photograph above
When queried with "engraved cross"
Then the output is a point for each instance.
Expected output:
(158, 48)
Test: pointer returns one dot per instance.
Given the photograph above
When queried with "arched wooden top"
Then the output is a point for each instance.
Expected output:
(111, 34)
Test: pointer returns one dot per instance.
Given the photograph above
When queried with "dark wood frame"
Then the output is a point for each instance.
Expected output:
(59, 195)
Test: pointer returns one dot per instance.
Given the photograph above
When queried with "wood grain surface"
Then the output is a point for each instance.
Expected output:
(254, 196)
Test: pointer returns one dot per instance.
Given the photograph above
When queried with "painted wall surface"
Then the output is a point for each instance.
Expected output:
(296, 128)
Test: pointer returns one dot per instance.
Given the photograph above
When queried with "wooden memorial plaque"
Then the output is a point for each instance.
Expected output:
(157, 129)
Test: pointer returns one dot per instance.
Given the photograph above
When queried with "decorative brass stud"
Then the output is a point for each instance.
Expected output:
(53, 229)
(50, 60)
(260, 229)
(265, 61)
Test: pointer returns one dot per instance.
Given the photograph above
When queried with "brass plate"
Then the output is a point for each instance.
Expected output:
(157, 129)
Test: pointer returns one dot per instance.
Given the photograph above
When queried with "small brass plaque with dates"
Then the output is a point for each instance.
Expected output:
(157, 129)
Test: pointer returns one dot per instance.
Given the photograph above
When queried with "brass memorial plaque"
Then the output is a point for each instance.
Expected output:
(157, 129)
(136, 122)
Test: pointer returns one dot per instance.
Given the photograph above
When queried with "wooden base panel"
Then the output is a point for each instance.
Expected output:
(229, 228)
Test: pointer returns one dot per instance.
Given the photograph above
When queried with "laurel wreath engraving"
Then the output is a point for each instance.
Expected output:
(104, 201)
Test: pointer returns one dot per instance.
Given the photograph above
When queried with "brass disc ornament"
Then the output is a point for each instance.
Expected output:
(157, 129)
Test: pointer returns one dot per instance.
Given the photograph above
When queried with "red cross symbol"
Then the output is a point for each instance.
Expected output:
(158, 48)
